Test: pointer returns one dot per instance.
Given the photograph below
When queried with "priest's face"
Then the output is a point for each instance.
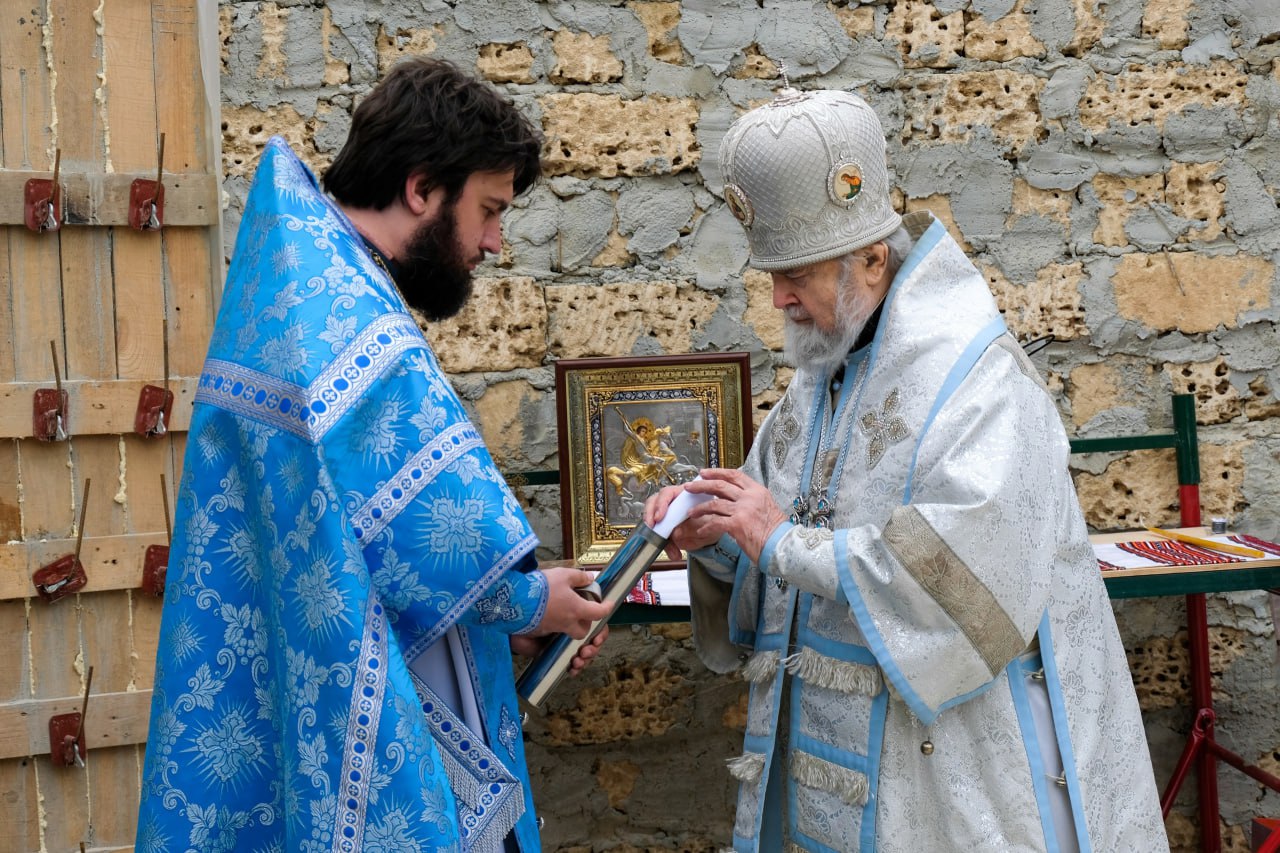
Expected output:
(826, 304)
(453, 237)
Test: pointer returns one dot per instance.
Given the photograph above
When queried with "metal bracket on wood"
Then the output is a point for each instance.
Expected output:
(49, 411)
(66, 733)
(146, 199)
(42, 200)
(64, 575)
(155, 407)
(155, 562)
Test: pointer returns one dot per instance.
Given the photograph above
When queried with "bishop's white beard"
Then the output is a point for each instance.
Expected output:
(807, 346)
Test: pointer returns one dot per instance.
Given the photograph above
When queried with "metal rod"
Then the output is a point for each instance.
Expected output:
(57, 164)
(57, 372)
(84, 503)
(160, 165)
(84, 707)
(164, 499)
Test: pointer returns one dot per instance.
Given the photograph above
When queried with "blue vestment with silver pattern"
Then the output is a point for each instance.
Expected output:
(338, 514)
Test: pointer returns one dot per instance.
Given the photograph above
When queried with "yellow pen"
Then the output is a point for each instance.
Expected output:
(1227, 547)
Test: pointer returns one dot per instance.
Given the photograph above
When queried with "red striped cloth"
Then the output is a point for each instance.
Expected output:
(1172, 553)
(643, 592)
(1255, 542)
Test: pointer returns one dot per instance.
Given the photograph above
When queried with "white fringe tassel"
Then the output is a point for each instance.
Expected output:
(849, 785)
(762, 667)
(748, 767)
(833, 674)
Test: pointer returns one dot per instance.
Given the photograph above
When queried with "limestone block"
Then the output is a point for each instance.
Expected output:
(1142, 488)
(403, 43)
(763, 402)
(940, 206)
(636, 701)
(1051, 305)
(1264, 404)
(857, 22)
(501, 417)
(1195, 191)
(1120, 197)
(755, 65)
(336, 72)
(1217, 400)
(926, 38)
(765, 320)
(506, 63)
(617, 780)
(1183, 832)
(946, 107)
(1051, 204)
(660, 21)
(245, 131)
(1097, 387)
(590, 135)
(502, 326)
(608, 320)
(1166, 22)
(584, 58)
(1161, 669)
(1144, 95)
(274, 22)
(1002, 39)
(1090, 25)
(1189, 291)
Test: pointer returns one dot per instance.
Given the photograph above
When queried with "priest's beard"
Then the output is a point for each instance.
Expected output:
(433, 275)
(807, 346)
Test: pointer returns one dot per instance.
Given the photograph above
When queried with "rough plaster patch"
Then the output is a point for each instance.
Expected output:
(336, 72)
(660, 21)
(940, 206)
(506, 63)
(1191, 292)
(617, 780)
(857, 22)
(1166, 21)
(1142, 96)
(926, 37)
(1264, 404)
(667, 312)
(245, 131)
(1002, 39)
(274, 22)
(395, 46)
(1142, 488)
(947, 108)
(715, 31)
(763, 402)
(1193, 191)
(614, 253)
(636, 701)
(761, 317)
(1119, 198)
(1051, 305)
(584, 58)
(1217, 400)
(605, 136)
(502, 326)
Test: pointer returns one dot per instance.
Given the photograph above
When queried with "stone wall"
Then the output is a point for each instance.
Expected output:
(1112, 167)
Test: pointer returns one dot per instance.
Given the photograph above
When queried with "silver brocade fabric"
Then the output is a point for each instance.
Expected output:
(989, 558)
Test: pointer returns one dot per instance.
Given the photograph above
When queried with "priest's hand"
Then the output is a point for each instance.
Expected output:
(567, 611)
(740, 507)
(685, 537)
(528, 647)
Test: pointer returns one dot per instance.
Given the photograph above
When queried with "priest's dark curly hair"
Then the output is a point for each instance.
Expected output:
(429, 117)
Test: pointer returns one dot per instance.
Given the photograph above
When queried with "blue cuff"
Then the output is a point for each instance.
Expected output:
(533, 589)
(771, 545)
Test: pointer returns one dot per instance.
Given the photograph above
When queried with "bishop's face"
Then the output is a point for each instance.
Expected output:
(826, 304)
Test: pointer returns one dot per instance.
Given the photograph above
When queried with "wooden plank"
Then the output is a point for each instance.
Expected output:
(94, 407)
(19, 804)
(96, 198)
(192, 260)
(110, 562)
(114, 719)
